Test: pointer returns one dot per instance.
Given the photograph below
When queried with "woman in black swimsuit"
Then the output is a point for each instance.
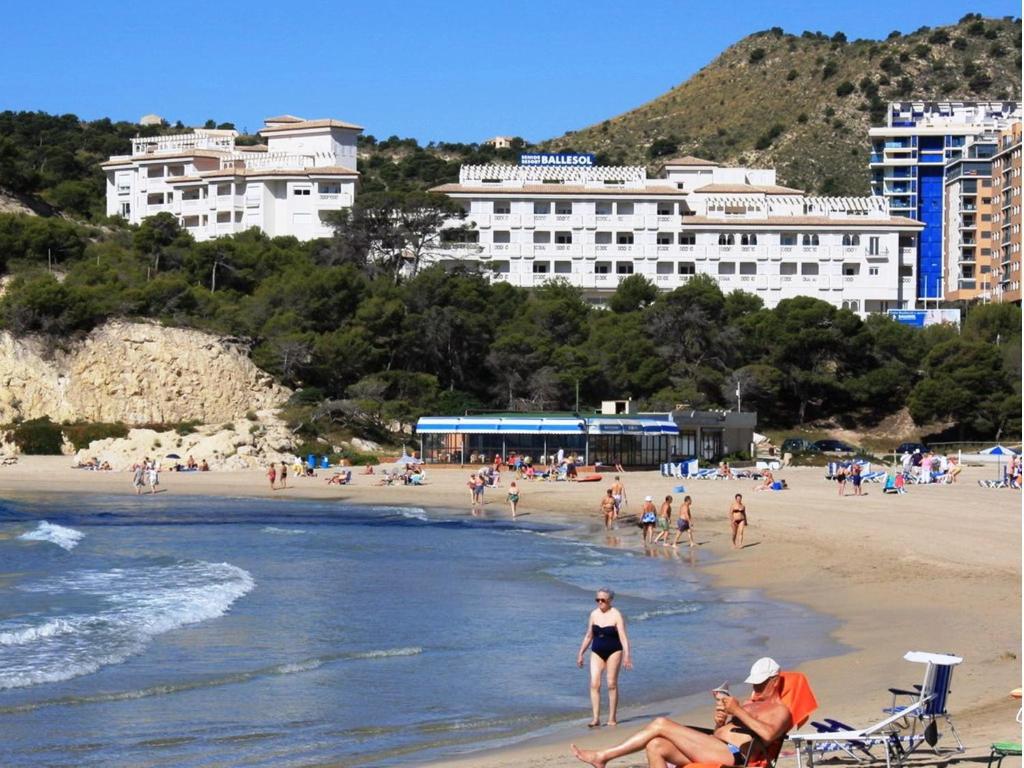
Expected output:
(738, 519)
(609, 649)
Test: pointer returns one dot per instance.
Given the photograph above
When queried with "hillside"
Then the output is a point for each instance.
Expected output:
(803, 104)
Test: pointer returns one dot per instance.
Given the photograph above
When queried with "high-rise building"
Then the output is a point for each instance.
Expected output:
(909, 156)
(1006, 200)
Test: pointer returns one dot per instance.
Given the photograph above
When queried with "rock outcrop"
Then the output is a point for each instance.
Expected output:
(136, 373)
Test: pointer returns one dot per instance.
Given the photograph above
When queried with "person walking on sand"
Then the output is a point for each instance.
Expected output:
(648, 518)
(609, 650)
(153, 475)
(608, 508)
(138, 478)
(272, 476)
(664, 521)
(513, 497)
(738, 520)
(284, 475)
(685, 522)
(619, 494)
(841, 479)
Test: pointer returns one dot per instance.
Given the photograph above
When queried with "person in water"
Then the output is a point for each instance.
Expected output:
(762, 719)
(609, 650)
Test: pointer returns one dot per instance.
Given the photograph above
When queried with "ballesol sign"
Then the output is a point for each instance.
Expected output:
(558, 160)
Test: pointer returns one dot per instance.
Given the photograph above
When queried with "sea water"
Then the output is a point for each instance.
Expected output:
(195, 632)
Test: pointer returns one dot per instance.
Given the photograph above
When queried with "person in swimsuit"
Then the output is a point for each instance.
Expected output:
(609, 650)
(762, 718)
(841, 479)
(648, 518)
(738, 519)
(685, 522)
(855, 476)
(608, 508)
(619, 494)
(513, 497)
(664, 520)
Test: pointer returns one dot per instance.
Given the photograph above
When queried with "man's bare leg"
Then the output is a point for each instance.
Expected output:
(694, 746)
(661, 752)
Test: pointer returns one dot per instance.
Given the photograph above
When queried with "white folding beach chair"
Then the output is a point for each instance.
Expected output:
(907, 726)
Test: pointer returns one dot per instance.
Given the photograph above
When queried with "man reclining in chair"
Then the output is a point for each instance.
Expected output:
(762, 719)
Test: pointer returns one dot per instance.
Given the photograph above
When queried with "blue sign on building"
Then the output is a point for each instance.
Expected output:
(558, 160)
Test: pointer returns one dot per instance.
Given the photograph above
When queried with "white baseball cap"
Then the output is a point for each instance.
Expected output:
(763, 669)
(648, 498)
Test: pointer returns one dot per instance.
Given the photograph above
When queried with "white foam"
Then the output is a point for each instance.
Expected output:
(283, 531)
(660, 612)
(65, 538)
(386, 653)
(414, 514)
(133, 606)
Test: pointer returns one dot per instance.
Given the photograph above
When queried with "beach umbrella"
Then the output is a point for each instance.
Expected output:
(405, 459)
(998, 451)
(173, 456)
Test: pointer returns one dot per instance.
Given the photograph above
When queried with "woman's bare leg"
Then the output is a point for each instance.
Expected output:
(739, 533)
(612, 677)
(693, 746)
(597, 666)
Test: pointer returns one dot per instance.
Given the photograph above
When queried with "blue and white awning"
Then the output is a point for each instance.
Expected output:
(545, 425)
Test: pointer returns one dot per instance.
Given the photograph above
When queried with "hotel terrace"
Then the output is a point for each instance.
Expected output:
(593, 226)
(287, 186)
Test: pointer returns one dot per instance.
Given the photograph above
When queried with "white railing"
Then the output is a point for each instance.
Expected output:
(181, 142)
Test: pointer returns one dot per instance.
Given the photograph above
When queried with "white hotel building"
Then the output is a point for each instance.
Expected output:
(594, 226)
(287, 186)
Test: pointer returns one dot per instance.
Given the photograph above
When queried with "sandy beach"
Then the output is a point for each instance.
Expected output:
(938, 569)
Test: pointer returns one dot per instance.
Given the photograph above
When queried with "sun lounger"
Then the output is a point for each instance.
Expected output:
(898, 733)
(799, 699)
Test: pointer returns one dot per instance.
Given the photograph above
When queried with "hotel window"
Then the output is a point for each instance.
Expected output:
(726, 239)
(849, 270)
(748, 267)
(808, 269)
(851, 239)
(563, 209)
(563, 267)
(787, 239)
(602, 238)
(852, 304)
(687, 238)
(664, 238)
(624, 267)
(155, 171)
(624, 209)
(501, 267)
(624, 238)
(666, 209)
(788, 268)
(190, 194)
(603, 209)
(540, 267)
(810, 240)
(873, 246)
(502, 236)
(687, 268)
(541, 209)
(541, 238)
(563, 238)
(873, 271)
(665, 268)
(502, 207)
(126, 210)
(224, 217)
(602, 268)
(748, 240)
(297, 191)
(175, 170)
(726, 268)
(330, 188)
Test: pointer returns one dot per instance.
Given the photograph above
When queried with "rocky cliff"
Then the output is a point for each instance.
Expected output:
(136, 373)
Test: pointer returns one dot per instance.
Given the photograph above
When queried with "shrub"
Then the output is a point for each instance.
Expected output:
(960, 44)
(922, 51)
(938, 37)
(802, 117)
(997, 51)
(766, 139)
(890, 65)
(980, 82)
(839, 37)
(187, 427)
(829, 69)
(830, 112)
(991, 34)
(38, 437)
(976, 28)
(904, 57)
(82, 434)
(970, 69)
(756, 55)
(894, 34)
(792, 75)
(845, 88)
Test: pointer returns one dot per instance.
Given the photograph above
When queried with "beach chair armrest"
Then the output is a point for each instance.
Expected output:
(901, 692)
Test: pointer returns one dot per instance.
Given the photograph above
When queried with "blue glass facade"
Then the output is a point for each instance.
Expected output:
(929, 248)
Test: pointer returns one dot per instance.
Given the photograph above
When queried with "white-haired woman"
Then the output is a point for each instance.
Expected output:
(609, 650)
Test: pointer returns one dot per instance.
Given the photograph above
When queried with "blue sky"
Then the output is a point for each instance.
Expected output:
(455, 71)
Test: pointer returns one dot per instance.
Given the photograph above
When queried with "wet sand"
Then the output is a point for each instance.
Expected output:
(938, 569)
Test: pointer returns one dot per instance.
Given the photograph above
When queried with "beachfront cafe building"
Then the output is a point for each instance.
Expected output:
(633, 440)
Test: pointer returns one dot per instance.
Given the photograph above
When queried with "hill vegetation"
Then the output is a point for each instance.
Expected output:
(803, 103)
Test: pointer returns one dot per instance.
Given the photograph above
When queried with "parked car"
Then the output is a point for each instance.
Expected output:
(798, 445)
(834, 446)
(911, 447)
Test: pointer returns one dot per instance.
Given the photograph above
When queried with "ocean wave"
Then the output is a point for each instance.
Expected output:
(283, 531)
(414, 513)
(662, 612)
(384, 653)
(134, 606)
(65, 538)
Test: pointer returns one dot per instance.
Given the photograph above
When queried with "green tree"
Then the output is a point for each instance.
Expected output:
(633, 293)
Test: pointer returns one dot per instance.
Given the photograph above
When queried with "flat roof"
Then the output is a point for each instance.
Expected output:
(304, 125)
(523, 424)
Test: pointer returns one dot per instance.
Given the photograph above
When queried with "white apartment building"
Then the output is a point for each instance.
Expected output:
(595, 226)
(909, 158)
(287, 186)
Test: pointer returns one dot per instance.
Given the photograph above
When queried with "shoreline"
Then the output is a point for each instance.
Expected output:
(936, 570)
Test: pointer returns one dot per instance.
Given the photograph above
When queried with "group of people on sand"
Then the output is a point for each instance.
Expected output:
(655, 521)
(145, 472)
(743, 733)
(479, 481)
